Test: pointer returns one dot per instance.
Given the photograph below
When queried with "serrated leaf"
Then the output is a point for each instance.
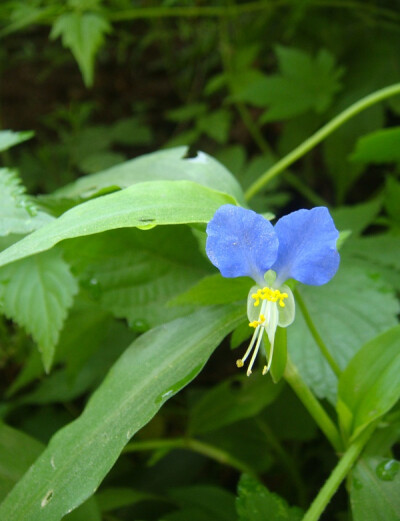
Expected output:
(305, 83)
(18, 213)
(168, 165)
(134, 274)
(374, 492)
(348, 312)
(370, 385)
(257, 503)
(382, 146)
(83, 34)
(8, 138)
(155, 367)
(37, 293)
(141, 205)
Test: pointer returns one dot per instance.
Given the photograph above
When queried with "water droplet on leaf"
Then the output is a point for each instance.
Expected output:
(387, 470)
(140, 325)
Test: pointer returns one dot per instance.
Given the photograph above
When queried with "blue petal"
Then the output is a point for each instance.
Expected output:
(307, 247)
(241, 243)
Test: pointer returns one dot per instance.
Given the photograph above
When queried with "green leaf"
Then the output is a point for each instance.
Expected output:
(382, 146)
(349, 311)
(216, 125)
(357, 217)
(131, 131)
(305, 83)
(83, 34)
(134, 274)
(232, 400)
(18, 212)
(374, 492)
(215, 289)
(370, 385)
(392, 198)
(18, 452)
(116, 497)
(37, 293)
(8, 138)
(141, 205)
(203, 503)
(167, 165)
(257, 503)
(155, 367)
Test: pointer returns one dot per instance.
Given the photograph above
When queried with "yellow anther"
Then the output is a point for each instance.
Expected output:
(273, 295)
(255, 323)
(239, 363)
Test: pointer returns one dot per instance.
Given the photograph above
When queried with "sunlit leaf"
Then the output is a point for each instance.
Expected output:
(141, 205)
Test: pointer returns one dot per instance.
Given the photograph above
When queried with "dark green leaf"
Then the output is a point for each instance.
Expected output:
(257, 503)
(134, 274)
(382, 146)
(215, 289)
(234, 399)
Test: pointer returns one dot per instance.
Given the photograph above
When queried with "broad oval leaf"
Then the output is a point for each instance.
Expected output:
(140, 205)
(349, 311)
(155, 367)
(163, 165)
(370, 385)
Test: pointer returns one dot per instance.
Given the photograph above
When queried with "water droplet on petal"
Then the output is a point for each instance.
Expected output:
(387, 470)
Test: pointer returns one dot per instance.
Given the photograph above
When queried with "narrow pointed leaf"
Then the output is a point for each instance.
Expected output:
(141, 205)
(155, 367)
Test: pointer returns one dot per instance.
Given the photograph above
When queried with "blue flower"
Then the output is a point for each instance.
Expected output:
(301, 246)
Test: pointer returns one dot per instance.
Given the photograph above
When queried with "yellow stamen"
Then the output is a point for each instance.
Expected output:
(273, 295)
(259, 322)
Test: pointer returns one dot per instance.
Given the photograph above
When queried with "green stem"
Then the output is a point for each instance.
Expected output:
(191, 444)
(316, 336)
(339, 473)
(313, 406)
(320, 135)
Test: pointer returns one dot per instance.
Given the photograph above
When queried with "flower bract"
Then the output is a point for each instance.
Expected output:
(301, 246)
